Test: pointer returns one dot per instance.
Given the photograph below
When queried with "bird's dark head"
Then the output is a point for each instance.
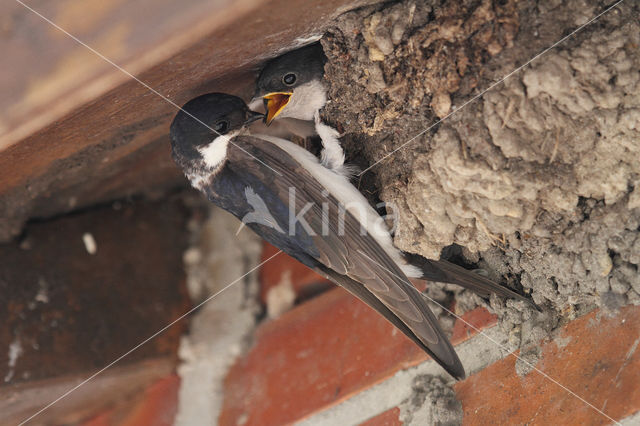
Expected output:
(204, 119)
(291, 85)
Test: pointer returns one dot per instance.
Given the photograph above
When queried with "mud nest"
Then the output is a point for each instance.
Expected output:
(538, 178)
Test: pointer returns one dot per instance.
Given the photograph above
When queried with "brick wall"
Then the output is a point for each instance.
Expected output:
(69, 308)
(332, 360)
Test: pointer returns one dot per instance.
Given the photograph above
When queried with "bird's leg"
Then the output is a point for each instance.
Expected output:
(332, 156)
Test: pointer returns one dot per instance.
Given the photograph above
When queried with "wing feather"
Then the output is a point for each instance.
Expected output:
(351, 255)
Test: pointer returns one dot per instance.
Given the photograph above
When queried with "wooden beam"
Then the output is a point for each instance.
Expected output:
(70, 114)
(51, 74)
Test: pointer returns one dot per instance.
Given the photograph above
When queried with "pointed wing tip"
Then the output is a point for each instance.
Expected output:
(451, 364)
(460, 376)
(457, 371)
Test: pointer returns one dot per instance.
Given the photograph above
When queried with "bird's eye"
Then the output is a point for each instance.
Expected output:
(289, 79)
(221, 127)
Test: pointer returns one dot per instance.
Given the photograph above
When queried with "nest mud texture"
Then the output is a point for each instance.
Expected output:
(433, 402)
(539, 178)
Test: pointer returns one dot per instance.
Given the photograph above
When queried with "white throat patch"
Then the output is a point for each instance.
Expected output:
(305, 101)
(213, 156)
(216, 152)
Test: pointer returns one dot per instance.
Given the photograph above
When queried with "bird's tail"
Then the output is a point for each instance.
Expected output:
(447, 272)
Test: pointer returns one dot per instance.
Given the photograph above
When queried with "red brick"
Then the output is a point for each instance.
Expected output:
(102, 419)
(462, 331)
(157, 406)
(303, 279)
(598, 363)
(97, 306)
(388, 418)
(312, 357)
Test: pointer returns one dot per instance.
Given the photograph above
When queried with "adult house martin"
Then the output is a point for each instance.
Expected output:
(314, 214)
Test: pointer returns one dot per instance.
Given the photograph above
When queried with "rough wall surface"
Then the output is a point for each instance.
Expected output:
(433, 403)
(217, 266)
(538, 178)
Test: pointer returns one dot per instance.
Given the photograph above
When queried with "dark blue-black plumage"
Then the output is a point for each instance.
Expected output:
(259, 170)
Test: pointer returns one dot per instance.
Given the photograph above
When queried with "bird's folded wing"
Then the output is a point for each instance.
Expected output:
(341, 246)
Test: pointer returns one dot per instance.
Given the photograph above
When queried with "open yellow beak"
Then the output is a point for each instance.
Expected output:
(274, 103)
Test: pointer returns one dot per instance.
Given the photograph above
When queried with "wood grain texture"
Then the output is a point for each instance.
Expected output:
(50, 74)
(82, 119)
